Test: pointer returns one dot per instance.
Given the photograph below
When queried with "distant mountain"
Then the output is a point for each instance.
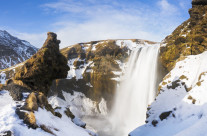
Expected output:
(14, 50)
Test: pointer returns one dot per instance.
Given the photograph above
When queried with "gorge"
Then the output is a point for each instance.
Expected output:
(115, 87)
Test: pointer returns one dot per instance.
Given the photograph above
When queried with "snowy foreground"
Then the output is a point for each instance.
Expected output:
(60, 126)
(181, 107)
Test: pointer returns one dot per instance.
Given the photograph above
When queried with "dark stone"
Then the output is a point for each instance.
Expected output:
(20, 113)
(69, 113)
(26, 117)
(164, 115)
(43, 127)
(174, 85)
(7, 133)
(16, 90)
(154, 123)
(58, 114)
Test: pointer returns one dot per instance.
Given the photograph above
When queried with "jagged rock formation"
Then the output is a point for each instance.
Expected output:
(188, 38)
(13, 50)
(42, 68)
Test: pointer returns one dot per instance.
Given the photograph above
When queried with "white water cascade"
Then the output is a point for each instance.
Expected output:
(136, 91)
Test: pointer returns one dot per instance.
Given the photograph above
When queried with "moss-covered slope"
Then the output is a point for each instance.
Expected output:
(42, 68)
(190, 38)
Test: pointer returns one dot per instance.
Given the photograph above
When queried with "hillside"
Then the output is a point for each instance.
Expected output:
(13, 50)
(187, 39)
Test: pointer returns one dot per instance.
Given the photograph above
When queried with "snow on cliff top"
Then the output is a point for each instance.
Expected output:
(184, 97)
(131, 44)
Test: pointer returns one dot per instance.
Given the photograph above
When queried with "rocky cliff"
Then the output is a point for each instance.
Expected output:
(14, 50)
(41, 69)
(96, 67)
(188, 39)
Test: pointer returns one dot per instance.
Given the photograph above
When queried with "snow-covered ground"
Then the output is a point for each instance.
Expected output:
(79, 104)
(83, 108)
(10, 121)
(2, 78)
(181, 107)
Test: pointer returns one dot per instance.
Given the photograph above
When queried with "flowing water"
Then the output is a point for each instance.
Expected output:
(136, 91)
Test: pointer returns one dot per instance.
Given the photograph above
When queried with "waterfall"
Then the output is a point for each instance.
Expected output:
(136, 91)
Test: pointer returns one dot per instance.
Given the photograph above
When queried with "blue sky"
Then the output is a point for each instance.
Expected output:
(86, 20)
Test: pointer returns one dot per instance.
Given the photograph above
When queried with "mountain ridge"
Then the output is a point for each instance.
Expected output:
(14, 50)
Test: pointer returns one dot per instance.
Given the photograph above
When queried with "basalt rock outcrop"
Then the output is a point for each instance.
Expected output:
(190, 38)
(42, 68)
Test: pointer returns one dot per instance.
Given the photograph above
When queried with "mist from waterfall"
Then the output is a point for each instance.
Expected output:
(136, 91)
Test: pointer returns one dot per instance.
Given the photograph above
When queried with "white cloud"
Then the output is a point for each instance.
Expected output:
(35, 39)
(108, 21)
(166, 7)
(99, 20)
(184, 4)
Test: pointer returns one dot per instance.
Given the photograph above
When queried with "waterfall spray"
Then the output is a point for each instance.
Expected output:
(136, 91)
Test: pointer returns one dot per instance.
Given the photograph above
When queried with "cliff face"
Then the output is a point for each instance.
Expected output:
(96, 68)
(42, 68)
(189, 38)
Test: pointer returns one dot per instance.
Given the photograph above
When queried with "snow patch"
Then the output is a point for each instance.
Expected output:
(2, 78)
(79, 104)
